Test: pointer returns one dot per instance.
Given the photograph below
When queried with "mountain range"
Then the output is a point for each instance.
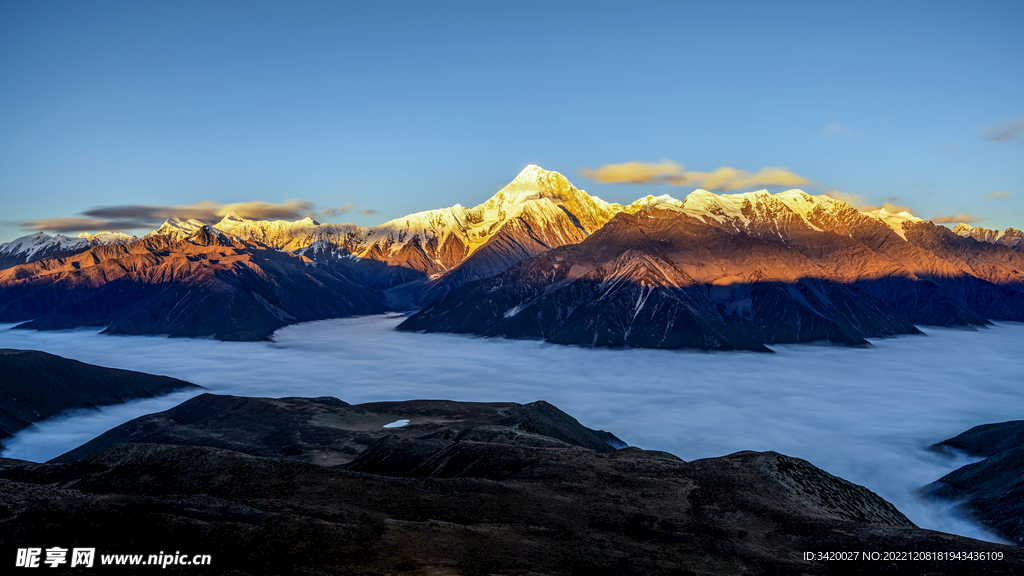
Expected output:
(989, 491)
(539, 259)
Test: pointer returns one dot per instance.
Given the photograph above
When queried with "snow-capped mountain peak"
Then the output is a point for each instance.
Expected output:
(230, 217)
(29, 246)
(177, 229)
(650, 202)
(708, 205)
(801, 202)
(894, 221)
(40, 245)
(106, 238)
(532, 183)
(1009, 237)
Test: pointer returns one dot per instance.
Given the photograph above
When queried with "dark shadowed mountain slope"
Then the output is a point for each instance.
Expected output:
(328, 431)
(37, 385)
(923, 271)
(990, 492)
(665, 279)
(452, 499)
(207, 284)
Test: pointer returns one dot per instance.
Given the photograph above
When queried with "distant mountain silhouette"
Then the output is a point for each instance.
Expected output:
(38, 385)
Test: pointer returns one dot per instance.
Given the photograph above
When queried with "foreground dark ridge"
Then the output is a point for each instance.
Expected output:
(664, 279)
(989, 492)
(464, 488)
(37, 386)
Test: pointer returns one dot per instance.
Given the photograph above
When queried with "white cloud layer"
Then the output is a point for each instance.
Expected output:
(862, 414)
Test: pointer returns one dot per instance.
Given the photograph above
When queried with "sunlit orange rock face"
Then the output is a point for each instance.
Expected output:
(730, 271)
(204, 285)
(1011, 237)
(755, 270)
(537, 211)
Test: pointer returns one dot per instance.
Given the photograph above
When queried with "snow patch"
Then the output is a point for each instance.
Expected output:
(894, 221)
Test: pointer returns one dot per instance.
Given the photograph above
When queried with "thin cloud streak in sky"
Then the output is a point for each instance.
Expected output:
(723, 179)
(1005, 132)
(206, 211)
(338, 210)
(956, 219)
(837, 129)
(135, 217)
(865, 414)
(851, 198)
(72, 224)
(998, 196)
(888, 207)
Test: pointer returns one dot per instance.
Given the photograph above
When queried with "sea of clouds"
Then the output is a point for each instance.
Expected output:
(864, 414)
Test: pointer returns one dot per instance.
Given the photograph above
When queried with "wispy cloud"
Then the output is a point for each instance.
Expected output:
(633, 172)
(888, 207)
(337, 210)
(848, 197)
(140, 216)
(998, 196)
(205, 211)
(722, 179)
(862, 205)
(837, 129)
(1005, 132)
(962, 217)
(73, 224)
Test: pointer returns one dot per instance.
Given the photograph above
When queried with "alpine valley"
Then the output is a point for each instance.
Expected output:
(540, 259)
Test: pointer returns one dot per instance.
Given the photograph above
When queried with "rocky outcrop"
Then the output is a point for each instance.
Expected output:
(665, 279)
(455, 492)
(328, 431)
(206, 285)
(741, 271)
(990, 492)
(41, 246)
(1011, 237)
(37, 386)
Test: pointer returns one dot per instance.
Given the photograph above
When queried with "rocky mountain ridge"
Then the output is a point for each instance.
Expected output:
(989, 492)
(908, 270)
(37, 386)
(207, 284)
(1010, 237)
(461, 488)
(40, 246)
(741, 271)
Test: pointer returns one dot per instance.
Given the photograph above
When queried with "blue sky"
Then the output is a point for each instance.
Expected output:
(389, 108)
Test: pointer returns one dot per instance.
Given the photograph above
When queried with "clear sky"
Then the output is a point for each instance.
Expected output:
(368, 111)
